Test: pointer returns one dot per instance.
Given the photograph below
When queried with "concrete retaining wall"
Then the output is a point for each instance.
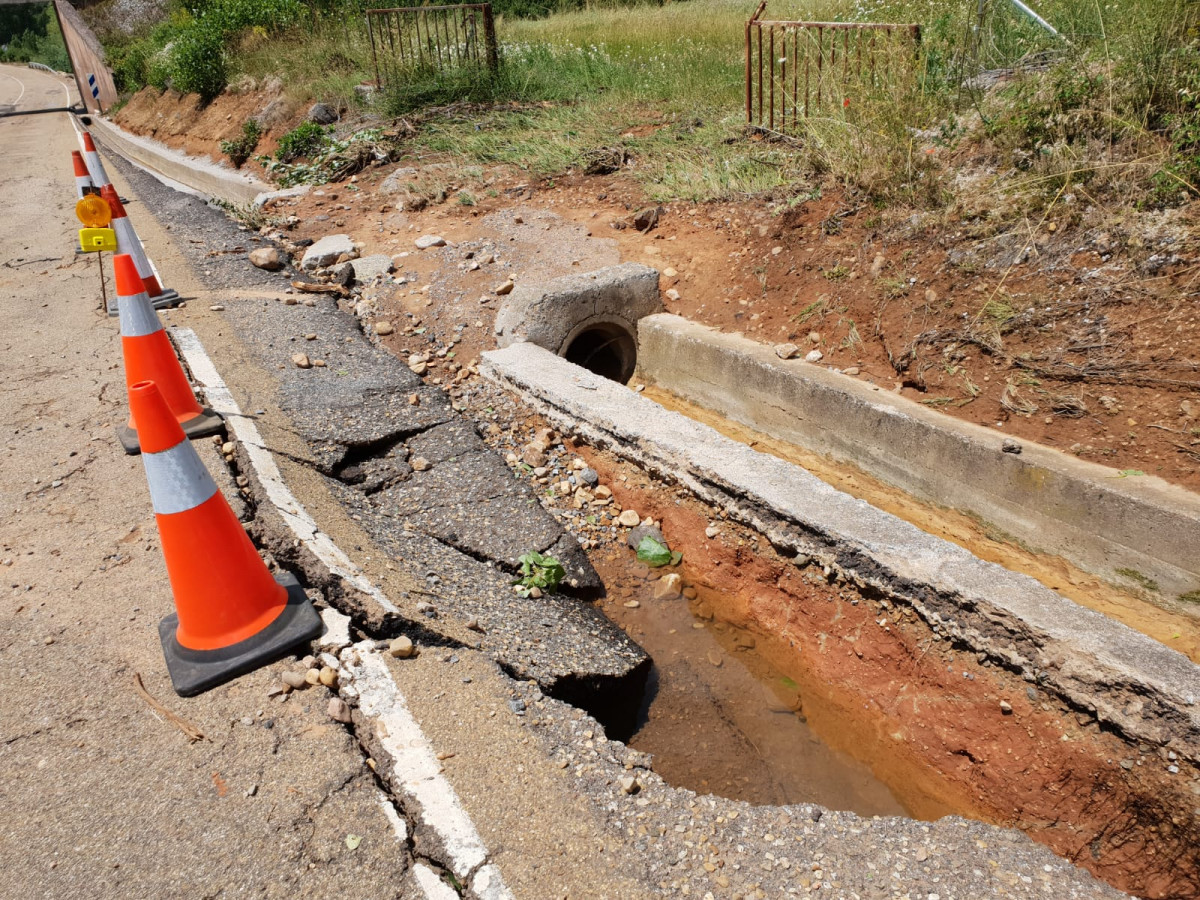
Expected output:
(1084, 512)
(190, 173)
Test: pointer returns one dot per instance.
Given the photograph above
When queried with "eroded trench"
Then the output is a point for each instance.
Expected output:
(779, 679)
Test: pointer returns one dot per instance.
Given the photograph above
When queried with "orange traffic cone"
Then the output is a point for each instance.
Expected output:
(94, 166)
(128, 242)
(231, 616)
(150, 357)
(83, 181)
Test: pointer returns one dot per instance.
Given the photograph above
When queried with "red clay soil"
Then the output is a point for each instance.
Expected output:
(876, 683)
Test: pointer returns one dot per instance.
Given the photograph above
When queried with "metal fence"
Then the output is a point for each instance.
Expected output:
(795, 69)
(411, 40)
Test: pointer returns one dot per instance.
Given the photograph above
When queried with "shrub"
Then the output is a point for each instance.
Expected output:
(239, 150)
(198, 62)
(303, 140)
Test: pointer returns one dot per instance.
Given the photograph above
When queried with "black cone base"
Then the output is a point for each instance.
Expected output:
(196, 671)
(208, 422)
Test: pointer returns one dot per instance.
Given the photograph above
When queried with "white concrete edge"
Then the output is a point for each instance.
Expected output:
(378, 695)
(244, 429)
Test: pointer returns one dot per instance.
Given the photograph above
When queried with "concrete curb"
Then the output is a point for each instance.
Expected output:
(1087, 513)
(192, 174)
(1126, 679)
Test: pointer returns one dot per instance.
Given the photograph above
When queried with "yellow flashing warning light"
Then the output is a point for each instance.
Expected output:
(95, 240)
(93, 212)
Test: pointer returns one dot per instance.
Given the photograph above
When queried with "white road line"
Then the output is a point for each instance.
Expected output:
(20, 83)
(415, 764)
(293, 512)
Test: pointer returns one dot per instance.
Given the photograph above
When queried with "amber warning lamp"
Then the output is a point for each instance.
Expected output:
(96, 216)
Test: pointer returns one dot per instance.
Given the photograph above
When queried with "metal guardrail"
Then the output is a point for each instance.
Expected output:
(794, 69)
(410, 40)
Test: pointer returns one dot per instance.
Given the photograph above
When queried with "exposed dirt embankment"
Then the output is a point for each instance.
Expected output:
(183, 122)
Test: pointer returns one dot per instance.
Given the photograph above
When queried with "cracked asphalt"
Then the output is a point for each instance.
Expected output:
(113, 799)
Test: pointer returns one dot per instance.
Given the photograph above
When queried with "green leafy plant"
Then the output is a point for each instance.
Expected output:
(198, 62)
(239, 149)
(539, 571)
(304, 140)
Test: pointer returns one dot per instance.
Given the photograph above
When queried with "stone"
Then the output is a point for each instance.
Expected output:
(399, 181)
(636, 535)
(1006, 707)
(419, 464)
(645, 220)
(534, 454)
(672, 295)
(814, 337)
(668, 587)
(589, 476)
(668, 272)
(326, 251)
(313, 676)
(322, 114)
(268, 258)
(217, 307)
(814, 356)
(228, 447)
(384, 328)
(339, 710)
(301, 361)
(629, 518)
(629, 784)
(603, 492)
(851, 371)
(401, 647)
(877, 265)
(1187, 409)
(787, 351)
(426, 241)
(342, 273)
(1010, 446)
(419, 367)
(368, 268)
(294, 680)
(711, 531)
(505, 289)
(328, 676)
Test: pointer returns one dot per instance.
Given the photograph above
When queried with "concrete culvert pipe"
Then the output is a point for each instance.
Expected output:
(607, 348)
(589, 319)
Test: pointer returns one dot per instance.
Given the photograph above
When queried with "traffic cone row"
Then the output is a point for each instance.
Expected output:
(232, 615)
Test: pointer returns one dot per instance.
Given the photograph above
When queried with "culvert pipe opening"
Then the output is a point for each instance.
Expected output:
(605, 348)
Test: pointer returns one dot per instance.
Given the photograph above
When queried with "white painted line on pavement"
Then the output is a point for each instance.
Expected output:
(245, 430)
(22, 86)
(414, 762)
(434, 887)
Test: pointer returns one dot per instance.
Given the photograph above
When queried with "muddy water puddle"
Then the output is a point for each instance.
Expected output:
(721, 719)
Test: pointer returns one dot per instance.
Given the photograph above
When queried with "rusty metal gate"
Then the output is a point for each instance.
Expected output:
(410, 40)
(796, 69)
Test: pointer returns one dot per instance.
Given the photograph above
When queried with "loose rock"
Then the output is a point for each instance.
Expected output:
(629, 518)
(419, 464)
(268, 258)
(787, 351)
(425, 241)
(401, 647)
(382, 328)
(668, 587)
(339, 710)
(301, 361)
(814, 356)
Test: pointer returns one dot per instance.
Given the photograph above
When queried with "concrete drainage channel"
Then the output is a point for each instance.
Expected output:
(1100, 723)
(1057, 720)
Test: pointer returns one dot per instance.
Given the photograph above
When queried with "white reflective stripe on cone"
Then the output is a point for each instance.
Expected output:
(99, 176)
(127, 242)
(178, 480)
(138, 317)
